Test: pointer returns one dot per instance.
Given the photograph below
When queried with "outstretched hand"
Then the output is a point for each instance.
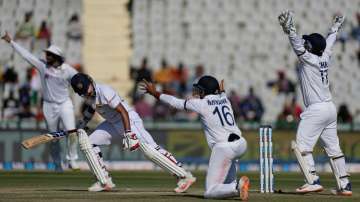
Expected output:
(6, 37)
(286, 21)
(149, 88)
(338, 22)
(222, 88)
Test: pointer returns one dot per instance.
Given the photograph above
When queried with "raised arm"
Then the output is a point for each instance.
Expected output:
(287, 23)
(331, 38)
(24, 53)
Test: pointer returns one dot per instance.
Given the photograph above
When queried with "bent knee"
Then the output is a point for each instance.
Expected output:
(100, 138)
(209, 192)
(209, 195)
(304, 148)
(333, 151)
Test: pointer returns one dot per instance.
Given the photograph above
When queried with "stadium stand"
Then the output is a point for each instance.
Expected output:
(23, 19)
(56, 13)
(240, 41)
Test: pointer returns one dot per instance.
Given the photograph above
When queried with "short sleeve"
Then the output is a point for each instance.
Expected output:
(111, 98)
(193, 105)
(71, 72)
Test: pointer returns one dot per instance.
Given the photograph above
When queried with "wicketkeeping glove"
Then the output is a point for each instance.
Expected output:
(337, 23)
(286, 21)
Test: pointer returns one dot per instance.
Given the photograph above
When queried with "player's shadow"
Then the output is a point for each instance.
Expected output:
(307, 194)
(197, 196)
(70, 190)
(113, 190)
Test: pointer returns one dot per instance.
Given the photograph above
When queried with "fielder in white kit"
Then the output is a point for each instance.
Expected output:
(319, 118)
(120, 120)
(222, 134)
(57, 106)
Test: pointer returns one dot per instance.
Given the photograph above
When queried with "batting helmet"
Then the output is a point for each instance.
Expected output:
(315, 43)
(208, 85)
(80, 83)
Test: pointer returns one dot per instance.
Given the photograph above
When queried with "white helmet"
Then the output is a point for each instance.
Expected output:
(55, 50)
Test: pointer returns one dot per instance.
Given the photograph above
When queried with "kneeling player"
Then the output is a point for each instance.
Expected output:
(223, 136)
(120, 119)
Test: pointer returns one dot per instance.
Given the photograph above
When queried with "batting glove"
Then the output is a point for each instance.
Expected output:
(83, 139)
(337, 23)
(130, 141)
(286, 21)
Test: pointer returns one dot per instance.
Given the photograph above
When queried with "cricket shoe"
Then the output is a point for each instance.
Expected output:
(97, 186)
(344, 191)
(73, 165)
(308, 188)
(243, 187)
(184, 183)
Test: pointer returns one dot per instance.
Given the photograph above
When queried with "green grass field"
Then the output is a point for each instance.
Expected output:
(146, 186)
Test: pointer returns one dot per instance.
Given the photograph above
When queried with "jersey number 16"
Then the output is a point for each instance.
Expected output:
(225, 114)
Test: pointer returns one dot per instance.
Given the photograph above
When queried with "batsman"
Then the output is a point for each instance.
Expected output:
(120, 120)
(319, 119)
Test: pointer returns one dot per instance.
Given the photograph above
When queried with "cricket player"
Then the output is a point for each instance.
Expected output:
(222, 134)
(55, 77)
(122, 120)
(319, 118)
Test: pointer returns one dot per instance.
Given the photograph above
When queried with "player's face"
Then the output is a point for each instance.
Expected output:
(90, 92)
(50, 59)
(307, 45)
(198, 93)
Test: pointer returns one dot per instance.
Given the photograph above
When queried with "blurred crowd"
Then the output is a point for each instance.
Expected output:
(176, 80)
(354, 34)
(21, 97)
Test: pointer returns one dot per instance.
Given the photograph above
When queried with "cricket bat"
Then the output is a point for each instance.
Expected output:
(44, 138)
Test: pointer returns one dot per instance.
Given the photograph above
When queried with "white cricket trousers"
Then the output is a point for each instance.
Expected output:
(221, 174)
(319, 120)
(62, 112)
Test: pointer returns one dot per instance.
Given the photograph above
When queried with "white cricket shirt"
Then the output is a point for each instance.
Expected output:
(106, 102)
(216, 114)
(55, 82)
(313, 70)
